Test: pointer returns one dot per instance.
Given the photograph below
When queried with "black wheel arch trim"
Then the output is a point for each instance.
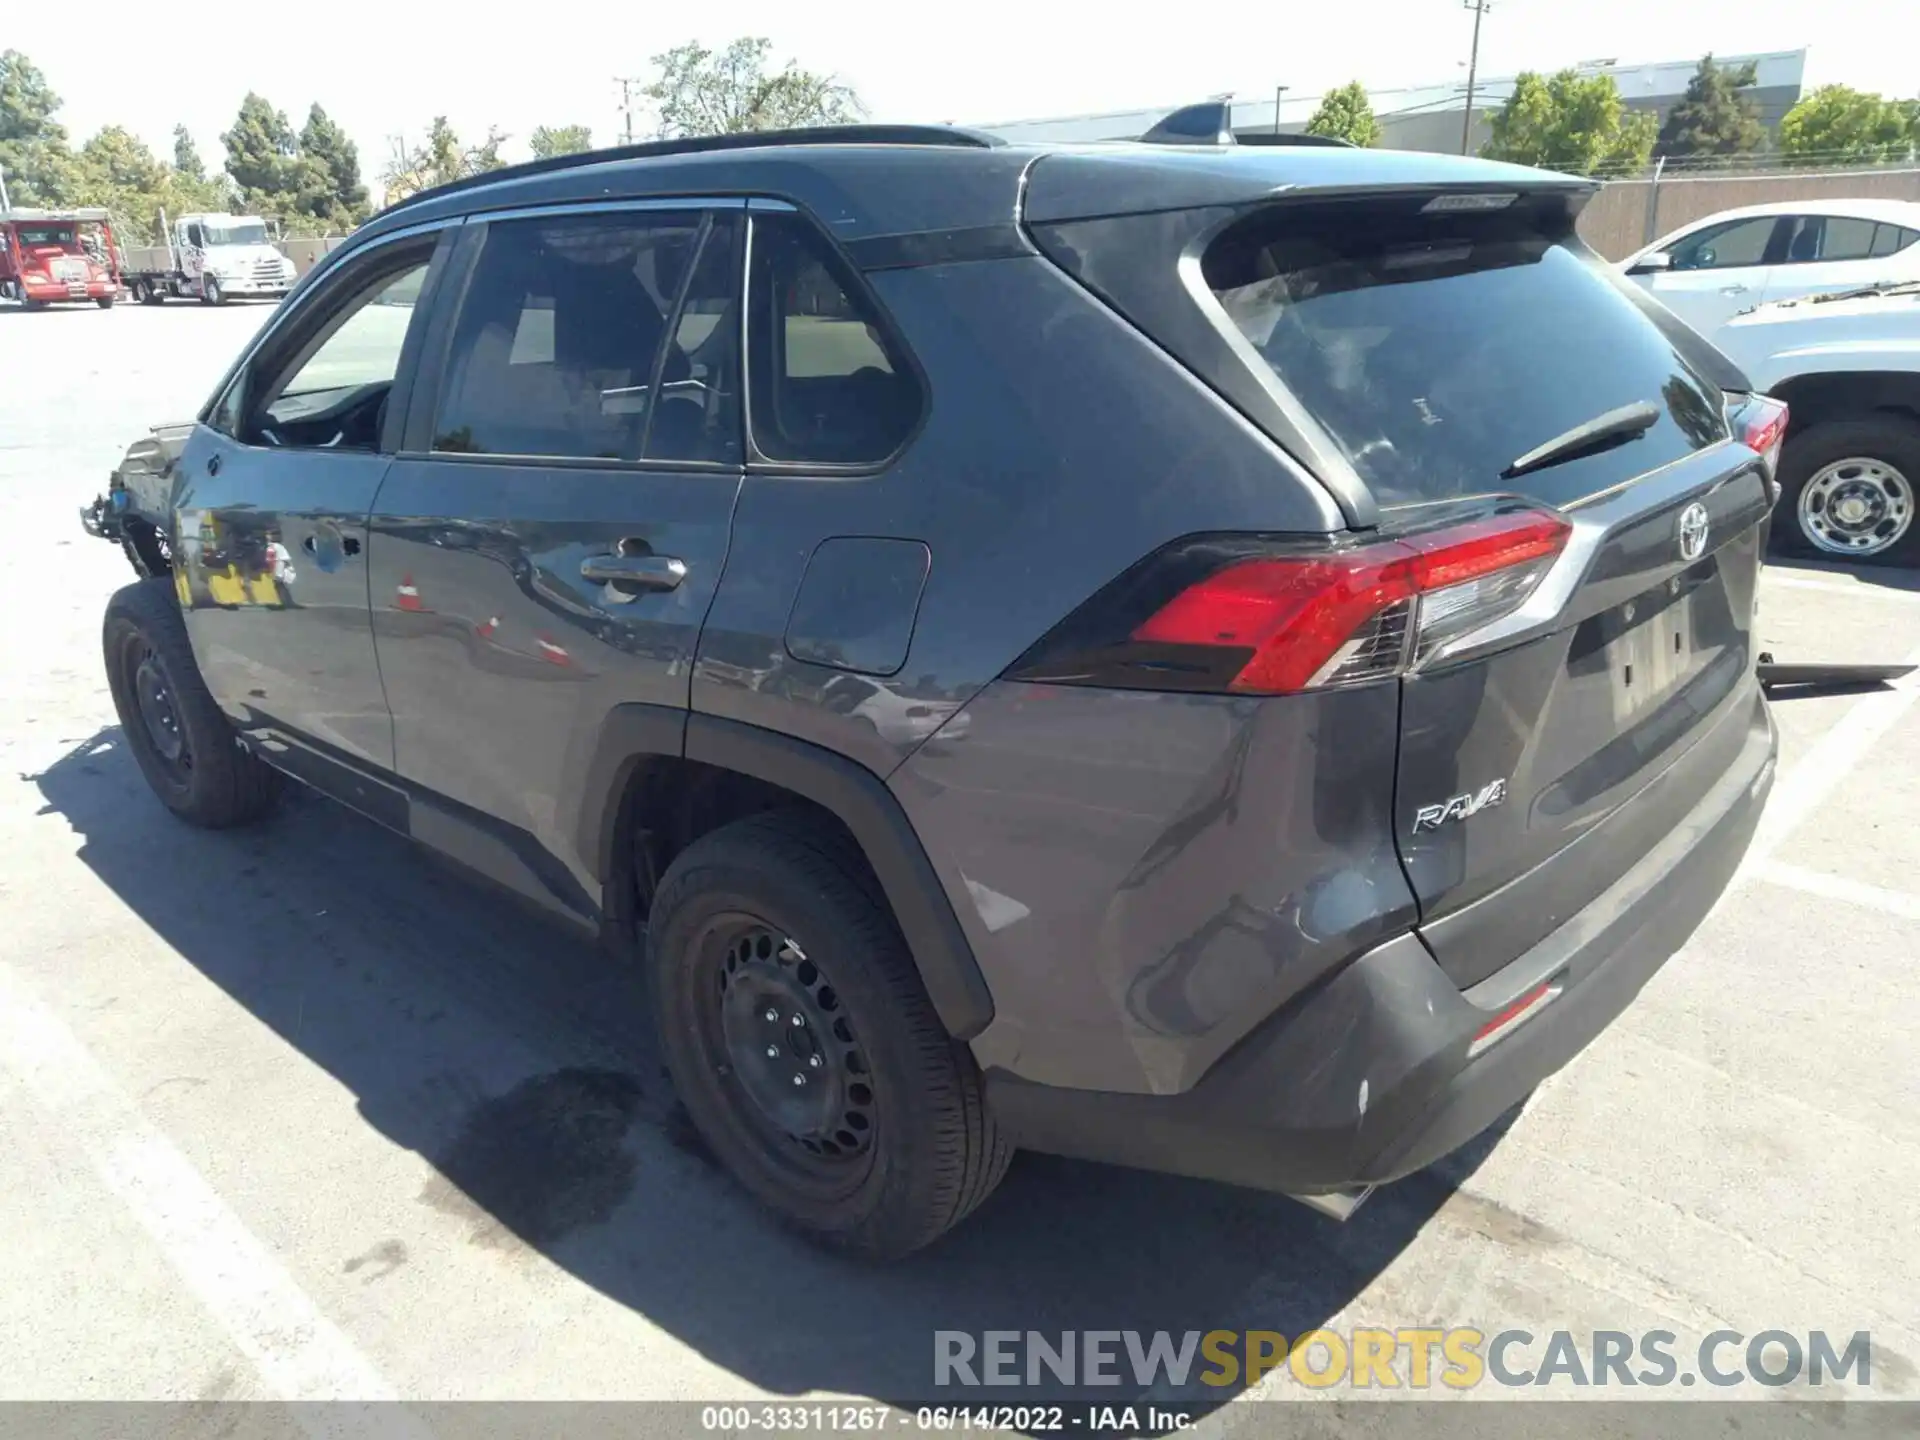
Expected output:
(870, 811)
(860, 799)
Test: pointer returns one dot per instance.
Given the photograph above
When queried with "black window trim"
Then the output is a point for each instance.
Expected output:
(430, 387)
(858, 289)
(319, 297)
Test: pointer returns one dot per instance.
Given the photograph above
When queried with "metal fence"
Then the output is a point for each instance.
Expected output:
(1628, 214)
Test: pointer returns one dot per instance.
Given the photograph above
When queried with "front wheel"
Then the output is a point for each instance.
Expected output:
(1848, 491)
(105, 302)
(803, 1044)
(210, 291)
(182, 742)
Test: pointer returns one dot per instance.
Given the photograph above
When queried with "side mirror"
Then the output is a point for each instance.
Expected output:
(1654, 264)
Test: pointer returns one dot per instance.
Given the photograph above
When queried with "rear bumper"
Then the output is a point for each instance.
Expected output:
(1367, 1077)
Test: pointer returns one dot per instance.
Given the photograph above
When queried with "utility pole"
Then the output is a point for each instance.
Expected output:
(1278, 91)
(5, 204)
(626, 84)
(1479, 8)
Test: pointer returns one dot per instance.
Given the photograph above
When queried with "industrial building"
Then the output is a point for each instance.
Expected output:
(1432, 117)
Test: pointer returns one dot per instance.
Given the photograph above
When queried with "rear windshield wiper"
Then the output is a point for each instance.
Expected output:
(1629, 422)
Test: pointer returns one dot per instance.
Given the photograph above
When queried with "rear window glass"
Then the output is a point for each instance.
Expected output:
(1435, 350)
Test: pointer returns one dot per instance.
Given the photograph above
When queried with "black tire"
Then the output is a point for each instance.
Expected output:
(192, 759)
(929, 1151)
(105, 302)
(211, 292)
(1888, 440)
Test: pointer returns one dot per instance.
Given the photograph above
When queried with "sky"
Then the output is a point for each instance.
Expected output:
(387, 67)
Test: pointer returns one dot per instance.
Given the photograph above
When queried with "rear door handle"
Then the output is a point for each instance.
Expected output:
(627, 577)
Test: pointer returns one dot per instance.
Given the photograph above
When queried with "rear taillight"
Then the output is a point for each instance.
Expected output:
(1760, 424)
(1236, 617)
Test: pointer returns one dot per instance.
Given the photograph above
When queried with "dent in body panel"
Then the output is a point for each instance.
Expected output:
(1144, 878)
(1060, 447)
(502, 661)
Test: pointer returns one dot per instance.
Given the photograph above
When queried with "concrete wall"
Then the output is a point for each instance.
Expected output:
(1616, 222)
(305, 254)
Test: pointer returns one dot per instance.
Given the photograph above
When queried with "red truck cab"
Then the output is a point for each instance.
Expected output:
(58, 256)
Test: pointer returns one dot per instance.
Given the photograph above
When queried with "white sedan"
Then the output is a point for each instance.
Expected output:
(1711, 270)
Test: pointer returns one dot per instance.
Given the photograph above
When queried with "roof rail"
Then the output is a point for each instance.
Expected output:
(1211, 123)
(700, 144)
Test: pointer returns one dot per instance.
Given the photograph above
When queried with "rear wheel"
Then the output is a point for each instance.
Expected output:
(105, 302)
(1848, 491)
(804, 1046)
(183, 744)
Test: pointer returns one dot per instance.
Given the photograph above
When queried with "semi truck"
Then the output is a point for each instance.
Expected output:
(210, 258)
(57, 257)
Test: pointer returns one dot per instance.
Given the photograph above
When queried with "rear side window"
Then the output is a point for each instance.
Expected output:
(596, 337)
(827, 384)
(1437, 349)
(1891, 239)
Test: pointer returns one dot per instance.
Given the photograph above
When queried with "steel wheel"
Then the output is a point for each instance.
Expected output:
(159, 715)
(1858, 506)
(779, 1034)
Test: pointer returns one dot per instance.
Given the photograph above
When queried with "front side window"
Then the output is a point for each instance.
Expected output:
(562, 350)
(1726, 247)
(827, 384)
(194, 237)
(331, 393)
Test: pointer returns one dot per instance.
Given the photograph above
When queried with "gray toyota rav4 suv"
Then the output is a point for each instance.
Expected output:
(1231, 661)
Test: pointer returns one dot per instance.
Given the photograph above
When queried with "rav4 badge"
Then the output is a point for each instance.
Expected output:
(1460, 807)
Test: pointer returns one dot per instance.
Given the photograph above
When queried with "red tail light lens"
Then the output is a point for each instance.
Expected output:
(1253, 621)
(1761, 425)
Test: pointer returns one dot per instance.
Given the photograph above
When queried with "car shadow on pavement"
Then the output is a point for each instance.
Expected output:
(517, 1059)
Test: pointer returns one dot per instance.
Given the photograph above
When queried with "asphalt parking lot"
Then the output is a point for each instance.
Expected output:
(297, 1114)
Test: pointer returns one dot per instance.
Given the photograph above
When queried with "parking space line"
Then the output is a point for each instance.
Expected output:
(1828, 762)
(1838, 887)
(1859, 590)
(300, 1353)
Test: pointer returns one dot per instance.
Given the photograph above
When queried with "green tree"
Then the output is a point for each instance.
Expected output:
(186, 155)
(1346, 114)
(1571, 122)
(551, 140)
(1838, 125)
(697, 91)
(39, 167)
(263, 156)
(331, 198)
(440, 161)
(1713, 118)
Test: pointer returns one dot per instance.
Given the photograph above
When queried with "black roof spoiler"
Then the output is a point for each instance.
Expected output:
(1211, 123)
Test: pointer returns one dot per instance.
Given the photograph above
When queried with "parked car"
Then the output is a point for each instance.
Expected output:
(1312, 595)
(1848, 366)
(1711, 270)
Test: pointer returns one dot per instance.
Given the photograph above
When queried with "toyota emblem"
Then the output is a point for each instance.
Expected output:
(1693, 531)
